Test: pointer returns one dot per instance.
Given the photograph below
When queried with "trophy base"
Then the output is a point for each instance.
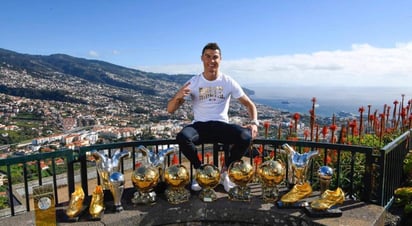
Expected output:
(208, 195)
(144, 198)
(240, 194)
(177, 195)
(332, 212)
(77, 217)
(118, 208)
(295, 205)
(97, 217)
(270, 194)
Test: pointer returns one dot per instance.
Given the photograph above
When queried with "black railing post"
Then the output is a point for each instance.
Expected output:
(70, 172)
(10, 181)
(83, 173)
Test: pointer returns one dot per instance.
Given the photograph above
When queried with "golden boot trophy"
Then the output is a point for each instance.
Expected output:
(326, 205)
(302, 189)
(97, 204)
(241, 173)
(76, 204)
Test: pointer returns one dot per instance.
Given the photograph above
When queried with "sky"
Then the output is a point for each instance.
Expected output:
(264, 43)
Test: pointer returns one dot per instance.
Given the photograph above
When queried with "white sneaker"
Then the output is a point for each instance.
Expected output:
(195, 186)
(226, 182)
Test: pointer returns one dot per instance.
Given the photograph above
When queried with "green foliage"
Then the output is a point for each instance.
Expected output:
(369, 140)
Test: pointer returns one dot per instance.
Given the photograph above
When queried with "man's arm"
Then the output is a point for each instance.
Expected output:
(251, 108)
(178, 99)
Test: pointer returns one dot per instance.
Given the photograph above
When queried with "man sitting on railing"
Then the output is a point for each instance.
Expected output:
(210, 93)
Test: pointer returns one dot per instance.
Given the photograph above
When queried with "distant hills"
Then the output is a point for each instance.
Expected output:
(62, 77)
(86, 71)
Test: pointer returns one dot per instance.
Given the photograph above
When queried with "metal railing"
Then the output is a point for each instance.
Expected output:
(363, 173)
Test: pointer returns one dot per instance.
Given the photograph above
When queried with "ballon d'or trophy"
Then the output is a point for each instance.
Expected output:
(271, 173)
(145, 178)
(208, 177)
(241, 173)
(177, 177)
(116, 188)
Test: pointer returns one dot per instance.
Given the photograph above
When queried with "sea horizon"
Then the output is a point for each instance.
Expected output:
(329, 100)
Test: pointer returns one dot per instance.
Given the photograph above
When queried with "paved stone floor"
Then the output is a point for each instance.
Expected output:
(220, 212)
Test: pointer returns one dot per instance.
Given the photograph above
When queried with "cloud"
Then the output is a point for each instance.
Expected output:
(115, 52)
(362, 65)
(93, 53)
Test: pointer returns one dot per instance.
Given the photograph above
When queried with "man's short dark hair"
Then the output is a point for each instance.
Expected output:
(212, 46)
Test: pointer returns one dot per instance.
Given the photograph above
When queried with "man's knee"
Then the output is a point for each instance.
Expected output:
(246, 136)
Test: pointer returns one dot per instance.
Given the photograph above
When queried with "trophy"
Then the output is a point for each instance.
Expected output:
(324, 206)
(75, 204)
(328, 199)
(145, 178)
(97, 203)
(208, 177)
(44, 205)
(107, 166)
(116, 183)
(298, 163)
(241, 173)
(155, 159)
(177, 177)
(271, 173)
(325, 174)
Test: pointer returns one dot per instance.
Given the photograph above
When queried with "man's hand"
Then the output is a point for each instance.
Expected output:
(254, 130)
(178, 99)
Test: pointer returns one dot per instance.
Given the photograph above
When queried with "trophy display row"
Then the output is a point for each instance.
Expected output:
(152, 170)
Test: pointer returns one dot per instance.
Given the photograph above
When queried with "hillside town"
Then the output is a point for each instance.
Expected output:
(101, 113)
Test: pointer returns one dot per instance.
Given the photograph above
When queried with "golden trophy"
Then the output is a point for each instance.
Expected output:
(271, 173)
(328, 199)
(44, 208)
(208, 177)
(325, 174)
(326, 205)
(145, 178)
(241, 173)
(177, 177)
(97, 204)
(76, 204)
(299, 164)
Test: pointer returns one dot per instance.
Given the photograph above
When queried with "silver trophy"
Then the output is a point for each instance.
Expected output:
(116, 188)
(298, 167)
(107, 166)
(154, 159)
(149, 174)
(325, 174)
(298, 164)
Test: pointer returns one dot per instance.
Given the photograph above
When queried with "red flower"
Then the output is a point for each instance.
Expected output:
(324, 131)
(333, 127)
(296, 116)
(361, 109)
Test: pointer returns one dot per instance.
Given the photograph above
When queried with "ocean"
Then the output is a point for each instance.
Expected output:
(329, 100)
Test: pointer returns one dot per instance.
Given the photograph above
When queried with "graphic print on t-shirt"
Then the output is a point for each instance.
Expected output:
(211, 94)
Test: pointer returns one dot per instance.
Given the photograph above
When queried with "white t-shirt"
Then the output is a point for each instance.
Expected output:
(210, 99)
